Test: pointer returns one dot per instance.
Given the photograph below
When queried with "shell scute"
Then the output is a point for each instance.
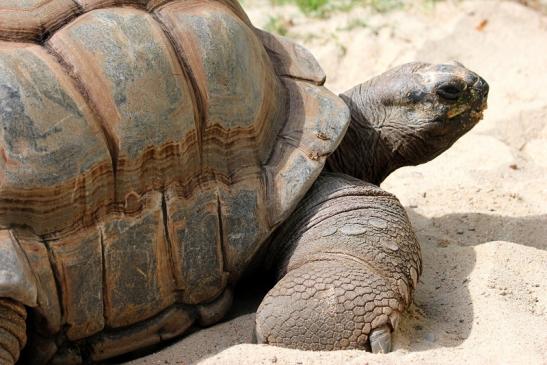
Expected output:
(55, 167)
(79, 265)
(291, 59)
(145, 285)
(245, 223)
(194, 227)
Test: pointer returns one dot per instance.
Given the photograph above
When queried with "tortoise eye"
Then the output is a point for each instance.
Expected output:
(451, 92)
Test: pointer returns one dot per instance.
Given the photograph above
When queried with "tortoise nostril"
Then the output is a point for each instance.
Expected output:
(450, 91)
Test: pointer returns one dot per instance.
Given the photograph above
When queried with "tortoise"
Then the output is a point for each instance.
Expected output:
(154, 151)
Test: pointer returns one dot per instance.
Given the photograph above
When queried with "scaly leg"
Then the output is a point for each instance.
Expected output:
(349, 261)
(12, 330)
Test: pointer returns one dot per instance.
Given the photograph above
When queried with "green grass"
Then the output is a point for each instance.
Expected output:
(278, 25)
(322, 8)
(281, 24)
(306, 6)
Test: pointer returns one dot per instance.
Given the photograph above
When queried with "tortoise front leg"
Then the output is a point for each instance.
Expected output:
(349, 261)
(13, 330)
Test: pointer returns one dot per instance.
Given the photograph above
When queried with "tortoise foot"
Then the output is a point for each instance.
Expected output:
(330, 305)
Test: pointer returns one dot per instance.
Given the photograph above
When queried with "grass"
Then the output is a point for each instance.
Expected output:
(282, 25)
(322, 8)
(306, 6)
(278, 25)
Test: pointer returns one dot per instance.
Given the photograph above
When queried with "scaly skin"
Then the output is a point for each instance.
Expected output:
(13, 335)
(349, 261)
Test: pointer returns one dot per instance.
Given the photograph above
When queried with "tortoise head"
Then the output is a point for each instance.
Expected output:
(408, 116)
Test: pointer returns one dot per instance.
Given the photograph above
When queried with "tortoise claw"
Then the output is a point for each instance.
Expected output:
(380, 340)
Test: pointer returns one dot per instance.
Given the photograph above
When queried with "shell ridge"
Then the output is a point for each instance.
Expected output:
(56, 277)
(168, 239)
(104, 288)
(221, 231)
(80, 8)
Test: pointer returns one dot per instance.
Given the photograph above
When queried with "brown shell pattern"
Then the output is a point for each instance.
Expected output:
(147, 149)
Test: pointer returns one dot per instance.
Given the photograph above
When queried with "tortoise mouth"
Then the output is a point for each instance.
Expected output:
(475, 112)
(473, 103)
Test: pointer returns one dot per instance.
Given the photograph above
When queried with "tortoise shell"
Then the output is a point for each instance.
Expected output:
(148, 150)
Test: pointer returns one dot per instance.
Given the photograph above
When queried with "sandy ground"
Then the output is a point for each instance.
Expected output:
(480, 210)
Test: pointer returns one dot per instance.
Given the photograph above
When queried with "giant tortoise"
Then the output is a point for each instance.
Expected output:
(152, 151)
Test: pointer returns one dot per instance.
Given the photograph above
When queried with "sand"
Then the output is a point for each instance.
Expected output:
(479, 210)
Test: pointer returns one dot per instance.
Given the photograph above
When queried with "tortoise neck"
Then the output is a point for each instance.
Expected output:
(367, 152)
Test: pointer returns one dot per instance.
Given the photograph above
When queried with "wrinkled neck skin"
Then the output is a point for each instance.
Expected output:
(370, 150)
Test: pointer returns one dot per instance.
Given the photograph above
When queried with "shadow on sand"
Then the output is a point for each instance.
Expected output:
(442, 313)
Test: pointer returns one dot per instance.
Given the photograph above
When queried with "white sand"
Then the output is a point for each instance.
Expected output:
(480, 210)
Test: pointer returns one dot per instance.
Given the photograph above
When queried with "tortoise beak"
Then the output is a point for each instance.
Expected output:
(482, 88)
(479, 91)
